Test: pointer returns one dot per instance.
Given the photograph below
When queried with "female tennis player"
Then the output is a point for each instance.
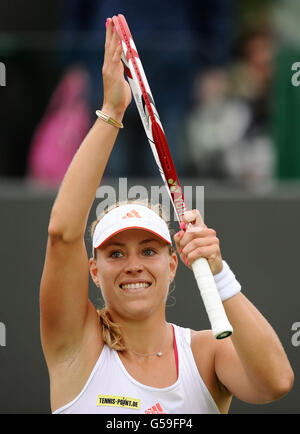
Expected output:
(126, 358)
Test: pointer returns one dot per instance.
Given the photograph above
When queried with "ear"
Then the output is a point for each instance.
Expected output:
(173, 265)
(94, 270)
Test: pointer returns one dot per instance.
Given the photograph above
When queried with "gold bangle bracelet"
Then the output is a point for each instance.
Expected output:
(108, 119)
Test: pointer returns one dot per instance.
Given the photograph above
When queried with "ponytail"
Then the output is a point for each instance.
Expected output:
(111, 331)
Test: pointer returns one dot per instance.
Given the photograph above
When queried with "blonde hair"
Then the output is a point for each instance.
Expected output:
(111, 331)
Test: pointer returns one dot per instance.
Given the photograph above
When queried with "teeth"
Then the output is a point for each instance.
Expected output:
(135, 285)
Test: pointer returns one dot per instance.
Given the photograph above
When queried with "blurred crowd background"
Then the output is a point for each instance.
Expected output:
(220, 72)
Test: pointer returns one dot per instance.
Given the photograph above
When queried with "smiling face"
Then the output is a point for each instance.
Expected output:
(134, 269)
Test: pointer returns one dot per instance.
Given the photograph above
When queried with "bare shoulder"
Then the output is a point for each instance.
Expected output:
(202, 336)
(203, 347)
(203, 339)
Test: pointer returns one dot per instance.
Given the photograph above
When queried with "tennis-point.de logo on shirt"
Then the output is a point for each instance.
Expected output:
(118, 401)
(133, 213)
(127, 402)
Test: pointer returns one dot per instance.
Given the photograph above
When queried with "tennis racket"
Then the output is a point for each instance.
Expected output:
(220, 325)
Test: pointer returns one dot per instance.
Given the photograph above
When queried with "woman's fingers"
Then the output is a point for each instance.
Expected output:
(117, 93)
(199, 242)
(113, 48)
(111, 39)
(109, 32)
(183, 238)
(118, 54)
(201, 247)
(177, 238)
(194, 218)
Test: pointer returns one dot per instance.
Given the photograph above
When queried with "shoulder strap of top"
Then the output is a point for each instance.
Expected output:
(183, 334)
(188, 336)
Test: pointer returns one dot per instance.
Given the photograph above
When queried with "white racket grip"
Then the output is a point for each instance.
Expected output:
(221, 328)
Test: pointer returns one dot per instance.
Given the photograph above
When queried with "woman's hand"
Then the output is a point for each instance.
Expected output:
(117, 92)
(198, 241)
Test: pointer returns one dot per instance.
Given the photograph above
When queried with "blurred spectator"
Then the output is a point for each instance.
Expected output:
(61, 131)
(251, 75)
(228, 129)
(216, 123)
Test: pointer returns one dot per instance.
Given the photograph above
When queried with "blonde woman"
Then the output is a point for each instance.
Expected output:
(126, 358)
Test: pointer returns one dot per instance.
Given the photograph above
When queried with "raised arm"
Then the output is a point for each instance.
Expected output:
(251, 364)
(78, 189)
(65, 308)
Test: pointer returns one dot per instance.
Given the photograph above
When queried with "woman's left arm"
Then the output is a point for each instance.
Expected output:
(252, 363)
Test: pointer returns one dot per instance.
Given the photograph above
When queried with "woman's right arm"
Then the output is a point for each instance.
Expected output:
(65, 308)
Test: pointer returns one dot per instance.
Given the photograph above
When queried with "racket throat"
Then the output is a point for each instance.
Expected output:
(168, 167)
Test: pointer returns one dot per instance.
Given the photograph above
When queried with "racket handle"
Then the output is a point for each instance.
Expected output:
(220, 325)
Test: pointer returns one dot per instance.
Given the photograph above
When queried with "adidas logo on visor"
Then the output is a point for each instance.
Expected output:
(131, 214)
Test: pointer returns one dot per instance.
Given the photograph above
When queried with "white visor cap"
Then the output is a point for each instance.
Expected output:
(130, 216)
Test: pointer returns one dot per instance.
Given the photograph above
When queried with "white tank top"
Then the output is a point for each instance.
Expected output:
(111, 389)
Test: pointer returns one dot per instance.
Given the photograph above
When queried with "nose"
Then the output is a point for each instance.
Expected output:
(134, 266)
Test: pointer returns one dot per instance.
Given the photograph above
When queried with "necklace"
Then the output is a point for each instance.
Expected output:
(158, 354)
